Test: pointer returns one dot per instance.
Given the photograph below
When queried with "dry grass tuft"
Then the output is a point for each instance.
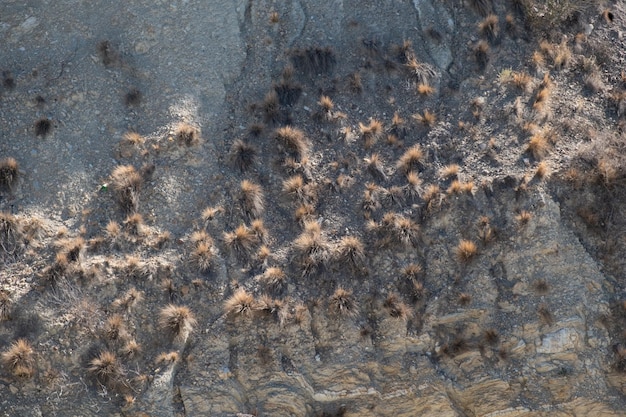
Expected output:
(202, 256)
(485, 232)
(421, 72)
(252, 199)
(270, 106)
(411, 160)
(126, 183)
(167, 358)
(115, 328)
(521, 80)
(425, 89)
(541, 98)
(376, 167)
(464, 299)
(243, 155)
(371, 133)
(413, 188)
(466, 250)
(489, 27)
(274, 279)
(396, 229)
(427, 118)
(312, 248)
(178, 321)
(240, 303)
(538, 146)
(210, 213)
(342, 304)
(134, 224)
(449, 171)
(292, 141)
(524, 217)
(542, 170)
(11, 235)
(129, 300)
(19, 359)
(9, 172)
(186, 134)
(397, 308)
(131, 349)
(432, 196)
(242, 240)
(351, 250)
(6, 305)
(107, 369)
(458, 187)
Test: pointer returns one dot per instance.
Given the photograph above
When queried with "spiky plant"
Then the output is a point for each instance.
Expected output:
(466, 250)
(397, 308)
(342, 303)
(241, 241)
(240, 303)
(186, 134)
(243, 155)
(5, 306)
(292, 141)
(376, 167)
(19, 359)
(350, 250)
(126, 183)
(371, 133)
(177, 320)
(274, 279)
(9, 172)
(252, 199)
(11, 235)
(115, 328)
(106, 368)
(411, 160)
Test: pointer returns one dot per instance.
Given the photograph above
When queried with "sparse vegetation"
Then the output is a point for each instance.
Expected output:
(387, 209)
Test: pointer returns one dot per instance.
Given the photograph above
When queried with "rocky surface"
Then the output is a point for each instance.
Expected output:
(531, 324)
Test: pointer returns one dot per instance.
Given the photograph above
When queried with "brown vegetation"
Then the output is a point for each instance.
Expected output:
(177, 320)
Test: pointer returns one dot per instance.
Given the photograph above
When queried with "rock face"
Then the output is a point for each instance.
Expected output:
(528, 320)
(326, 364)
